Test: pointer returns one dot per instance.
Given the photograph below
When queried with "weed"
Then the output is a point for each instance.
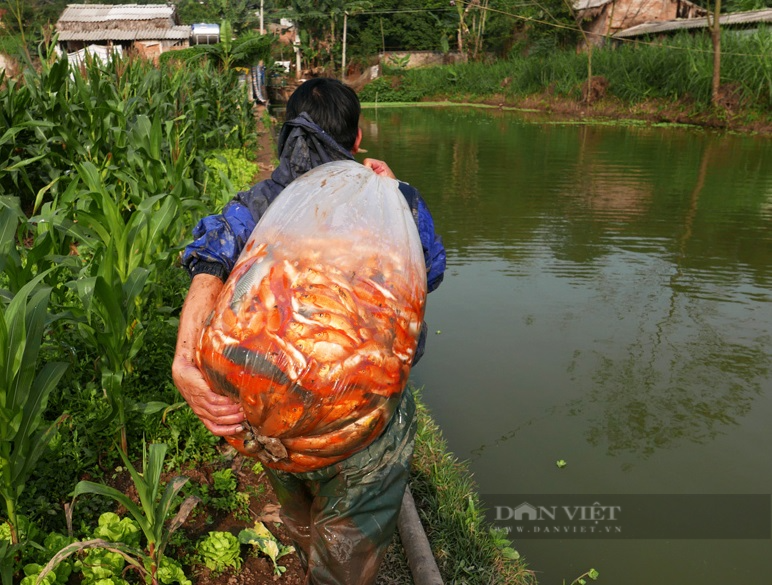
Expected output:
(580, 580)
(266, 543)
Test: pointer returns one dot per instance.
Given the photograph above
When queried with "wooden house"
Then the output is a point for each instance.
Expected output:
(734, 21)
(602, 19)
(151, 29)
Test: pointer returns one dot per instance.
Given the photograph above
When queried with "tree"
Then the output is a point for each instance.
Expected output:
(242, 14)
(243, 51)
(715, 37)
(409, 25)
(549, 25)
(317, 24)
(193, 11)
(307, 16)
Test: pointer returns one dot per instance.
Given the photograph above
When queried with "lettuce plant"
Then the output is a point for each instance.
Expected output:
(151, 515)
(220, 550)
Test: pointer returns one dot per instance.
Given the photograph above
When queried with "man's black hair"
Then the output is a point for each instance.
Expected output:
(333, 105)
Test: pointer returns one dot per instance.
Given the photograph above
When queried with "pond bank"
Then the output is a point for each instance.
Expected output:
(651, 83)
(547, 108)
(683, 112)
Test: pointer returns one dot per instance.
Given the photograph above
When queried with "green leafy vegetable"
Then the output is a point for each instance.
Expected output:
(116, 529)
(100, 564)
(220, 550)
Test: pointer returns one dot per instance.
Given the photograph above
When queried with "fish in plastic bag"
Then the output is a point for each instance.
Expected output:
(315, 330)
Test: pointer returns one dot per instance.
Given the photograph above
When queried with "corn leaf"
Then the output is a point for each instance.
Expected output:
(89, 487)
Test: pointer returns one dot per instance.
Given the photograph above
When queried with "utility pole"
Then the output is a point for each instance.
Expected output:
(715, 36)
(296, 46)
(262, 28)
(343, 60)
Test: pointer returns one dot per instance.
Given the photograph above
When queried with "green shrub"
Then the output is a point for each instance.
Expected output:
(680, 66)
(228, 171)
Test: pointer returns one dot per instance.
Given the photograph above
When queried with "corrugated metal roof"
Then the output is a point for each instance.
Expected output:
(580, 5)
(648, 28)
(108, 12)
(117, 34)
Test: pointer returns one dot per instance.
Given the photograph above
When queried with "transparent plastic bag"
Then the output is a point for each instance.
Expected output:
(316, 328)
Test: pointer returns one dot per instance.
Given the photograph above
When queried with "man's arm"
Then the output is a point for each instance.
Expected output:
(221, 415)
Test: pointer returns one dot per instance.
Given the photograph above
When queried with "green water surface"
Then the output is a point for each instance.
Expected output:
(608, 302)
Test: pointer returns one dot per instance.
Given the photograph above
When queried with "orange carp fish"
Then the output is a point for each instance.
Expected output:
(315, 330)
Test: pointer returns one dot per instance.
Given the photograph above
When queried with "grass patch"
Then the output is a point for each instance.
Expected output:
(374, 105)
(467, 548)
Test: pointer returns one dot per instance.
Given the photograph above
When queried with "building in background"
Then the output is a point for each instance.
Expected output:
(602, 19)
(150, 29)
(737, 22)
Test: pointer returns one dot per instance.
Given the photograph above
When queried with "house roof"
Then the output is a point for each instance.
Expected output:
(580, 5)
(659, 26)
(92, 13)
(118, 34)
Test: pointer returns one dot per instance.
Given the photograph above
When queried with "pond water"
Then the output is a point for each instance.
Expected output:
(607, 302)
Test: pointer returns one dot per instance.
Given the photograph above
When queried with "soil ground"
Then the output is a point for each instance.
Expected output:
(256, 568)
(266, 156)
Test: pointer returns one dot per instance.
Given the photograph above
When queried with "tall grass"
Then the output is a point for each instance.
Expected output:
(677, 67)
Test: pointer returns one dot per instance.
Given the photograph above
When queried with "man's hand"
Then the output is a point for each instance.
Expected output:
(221, 415)
(379, 167)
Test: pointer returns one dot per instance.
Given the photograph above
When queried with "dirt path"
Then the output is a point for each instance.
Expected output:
(266, 156)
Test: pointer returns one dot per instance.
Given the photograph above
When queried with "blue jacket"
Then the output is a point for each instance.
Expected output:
(302, 146)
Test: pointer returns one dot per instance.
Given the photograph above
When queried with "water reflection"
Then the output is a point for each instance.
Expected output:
(671, 386)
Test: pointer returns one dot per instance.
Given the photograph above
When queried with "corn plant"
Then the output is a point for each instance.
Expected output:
(57, 117)
(151, 514)
(116, 249)
(29, 246)
(111, 159)
(24, 391)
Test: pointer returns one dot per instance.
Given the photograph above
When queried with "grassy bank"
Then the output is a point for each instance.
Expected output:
(669, 81)
(467, 548)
